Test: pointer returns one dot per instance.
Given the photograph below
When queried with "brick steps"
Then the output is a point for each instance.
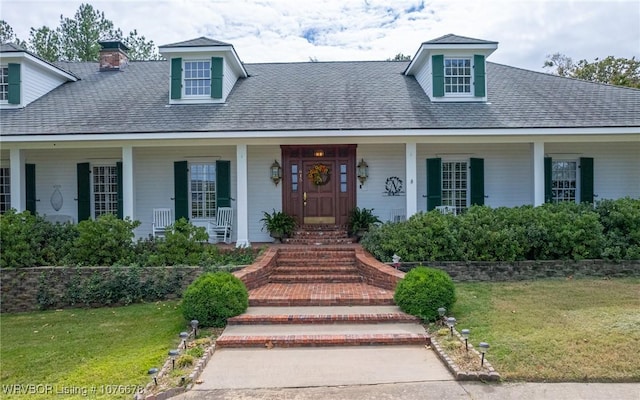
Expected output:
(270, 341)
(320, 278)
(319, 294)
(317, 235)
(316, 269)
(317, 319)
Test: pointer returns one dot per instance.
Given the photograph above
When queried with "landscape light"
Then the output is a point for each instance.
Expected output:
(154, 372)
(194, 325)
(451, 322)
(465, 335)
(484, 347)
(184, 336)
(174, 354)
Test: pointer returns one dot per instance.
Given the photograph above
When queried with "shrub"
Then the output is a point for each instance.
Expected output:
(183, 244)
(185, 360)
(213, 298)
(104, 241)
(196, 352)
(423, 290)
(621, 222)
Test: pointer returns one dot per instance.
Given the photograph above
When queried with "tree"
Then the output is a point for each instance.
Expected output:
(139, 47)
(611, 70)
(45, 43)
(79, 36)
(7, 35)
(399, 57)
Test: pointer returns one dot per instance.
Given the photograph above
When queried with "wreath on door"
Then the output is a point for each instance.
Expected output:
(319, 174)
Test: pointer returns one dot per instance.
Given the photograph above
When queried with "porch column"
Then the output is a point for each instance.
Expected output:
(18, 182)
(242, 194)
(127, 183)
(411, 178)
(537, 161)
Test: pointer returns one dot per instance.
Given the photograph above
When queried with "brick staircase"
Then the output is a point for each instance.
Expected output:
(315, 235)
(314, 292)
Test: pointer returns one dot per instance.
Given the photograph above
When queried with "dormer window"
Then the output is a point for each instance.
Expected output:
(457, 75)
(197, 78)
(4, 83)
(10, 83)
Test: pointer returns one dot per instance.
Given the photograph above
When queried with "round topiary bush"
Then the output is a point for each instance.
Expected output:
(213, 298)
(423, 290)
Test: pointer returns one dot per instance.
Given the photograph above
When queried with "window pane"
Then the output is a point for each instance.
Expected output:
(203, 190)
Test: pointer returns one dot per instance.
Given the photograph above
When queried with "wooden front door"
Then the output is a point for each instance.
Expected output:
(331, 199)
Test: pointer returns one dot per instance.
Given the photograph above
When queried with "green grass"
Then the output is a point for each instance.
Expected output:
(79, 349)
(556, 330)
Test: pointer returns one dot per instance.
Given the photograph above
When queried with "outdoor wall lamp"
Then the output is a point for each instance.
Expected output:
(465, 335)
(484, 347)
(276, 172)
(363, 171)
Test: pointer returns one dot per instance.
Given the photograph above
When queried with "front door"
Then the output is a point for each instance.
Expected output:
(327, 195)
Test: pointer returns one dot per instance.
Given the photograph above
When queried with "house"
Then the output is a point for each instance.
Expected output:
(201, 130)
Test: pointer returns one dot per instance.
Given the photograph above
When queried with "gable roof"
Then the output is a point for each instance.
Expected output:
(9, 48)
(361, 95)
(198, 42)
(455, 39)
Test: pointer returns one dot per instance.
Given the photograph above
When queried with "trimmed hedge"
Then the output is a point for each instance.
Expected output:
(423, 290)
(29, 240)
(562, 231)
(213, 298)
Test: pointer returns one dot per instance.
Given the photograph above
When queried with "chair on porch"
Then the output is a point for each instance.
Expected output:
(398, 215)
(446, 209)
(221, 229)
(161, 220)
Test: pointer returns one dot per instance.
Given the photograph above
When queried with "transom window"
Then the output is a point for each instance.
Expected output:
(457, 75)
(105, 190)
(454, 184)
(5, 190)
(563, 181)
(4, 83)
(197, 78)
(203, 190)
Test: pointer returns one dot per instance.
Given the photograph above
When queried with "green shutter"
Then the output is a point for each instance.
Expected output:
(548, 186)
(223, 183)
(478, 75)
(477, 181)
(176, 78)
(120, 195)
(30, 182)
(437, 63)
(216, 77)
(84, 191)
(181, 189)
(586, 180)
(434, 183)
(14, 84)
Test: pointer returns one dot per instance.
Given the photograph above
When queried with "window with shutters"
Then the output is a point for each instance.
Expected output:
(457, 76)
(197, 78)
(5, 189)
(564, 181)
(202, 177)
(105, 190)
(4, 83)
(455, 184)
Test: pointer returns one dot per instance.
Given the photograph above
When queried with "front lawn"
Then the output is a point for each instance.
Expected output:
(86, 353)
(556, 330)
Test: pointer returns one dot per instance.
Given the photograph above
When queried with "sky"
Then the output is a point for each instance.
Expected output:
(338, 30)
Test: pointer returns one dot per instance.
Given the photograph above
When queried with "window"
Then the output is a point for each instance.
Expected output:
(563, 181)
(4, 83)
(203, 190)
(454, 184)
(105, 190)
(197, 78)
(5, 190)
(294, 177)
(457, 75)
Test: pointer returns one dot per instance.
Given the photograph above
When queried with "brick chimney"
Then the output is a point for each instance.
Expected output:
(113, 56)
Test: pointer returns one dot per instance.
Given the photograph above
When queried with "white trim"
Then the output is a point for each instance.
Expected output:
(411, 168)
(537, 165)
(128, 186)
(18, 179)
(242, 196)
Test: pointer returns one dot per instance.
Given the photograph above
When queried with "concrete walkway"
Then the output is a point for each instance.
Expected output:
(440, 390)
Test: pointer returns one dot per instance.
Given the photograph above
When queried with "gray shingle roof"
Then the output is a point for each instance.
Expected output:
(198, 42)
(455, 39)
(316, 96)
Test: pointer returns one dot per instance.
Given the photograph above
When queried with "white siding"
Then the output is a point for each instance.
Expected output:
(58, 167)
(616, 166)
(507, 170)
(424, 78)
(153, 178)
(384, 161)
(36, 82)
(263, 194)
(228, 80)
